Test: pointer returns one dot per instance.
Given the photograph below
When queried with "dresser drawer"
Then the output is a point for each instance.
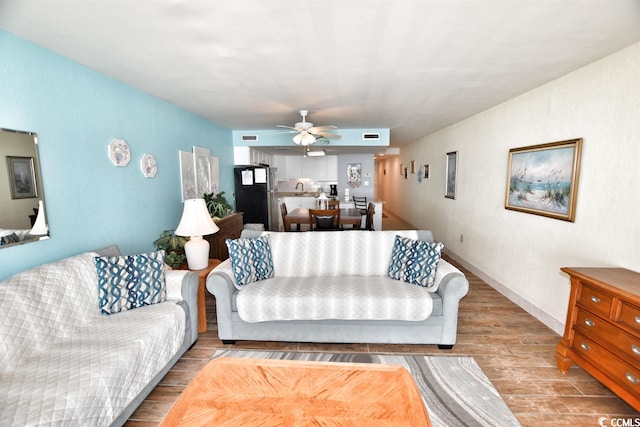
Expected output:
(624, 345)
(630, 316)
(619, 371)
(595, 300)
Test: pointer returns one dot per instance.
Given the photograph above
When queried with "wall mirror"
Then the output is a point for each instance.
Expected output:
(22, 209)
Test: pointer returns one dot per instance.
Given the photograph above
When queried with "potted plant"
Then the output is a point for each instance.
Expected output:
(217, 205)
(173, 246)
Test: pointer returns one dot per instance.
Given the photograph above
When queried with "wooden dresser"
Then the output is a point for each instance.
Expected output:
(230, 228)
(602, 333)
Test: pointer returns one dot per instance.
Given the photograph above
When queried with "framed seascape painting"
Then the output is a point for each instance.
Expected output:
(543, 179)
(451, 172)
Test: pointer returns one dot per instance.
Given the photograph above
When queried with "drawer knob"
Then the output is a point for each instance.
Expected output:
(595, 299)
(638, 320)
(590, 323)
(585, 346)
(631, 378)
(635, 349)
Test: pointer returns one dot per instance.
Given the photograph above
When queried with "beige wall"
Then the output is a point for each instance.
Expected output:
(518, 253)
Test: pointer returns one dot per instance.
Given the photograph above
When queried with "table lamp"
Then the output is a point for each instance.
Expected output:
(40, 225)
(195, 223)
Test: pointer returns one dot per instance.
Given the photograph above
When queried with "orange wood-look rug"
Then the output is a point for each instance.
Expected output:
(255, 392)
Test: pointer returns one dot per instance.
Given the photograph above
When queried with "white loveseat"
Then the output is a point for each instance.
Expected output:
(63, 362)
(334, 287)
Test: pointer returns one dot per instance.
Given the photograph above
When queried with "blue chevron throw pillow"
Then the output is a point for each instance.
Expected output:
(415, 262)
(128, 282)
(250, 259)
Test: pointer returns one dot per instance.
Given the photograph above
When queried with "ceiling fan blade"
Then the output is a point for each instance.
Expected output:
(319, 128)
(281, 132)
(289, 127)
(327, 135)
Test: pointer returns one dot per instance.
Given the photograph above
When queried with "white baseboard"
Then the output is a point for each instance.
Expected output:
(551, 322)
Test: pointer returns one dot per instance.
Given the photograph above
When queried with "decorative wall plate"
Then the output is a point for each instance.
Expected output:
(149, 165)
(119, 152)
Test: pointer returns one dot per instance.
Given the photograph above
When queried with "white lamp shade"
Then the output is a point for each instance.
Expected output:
(40, 225)
(304, 138)
(195, 223)
(195, 220)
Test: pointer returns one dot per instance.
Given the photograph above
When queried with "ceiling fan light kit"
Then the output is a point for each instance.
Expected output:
(304, 138)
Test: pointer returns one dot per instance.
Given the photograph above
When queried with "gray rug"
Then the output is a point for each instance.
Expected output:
(455, 390)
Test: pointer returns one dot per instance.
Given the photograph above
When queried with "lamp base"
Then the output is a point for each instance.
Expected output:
(197, 251)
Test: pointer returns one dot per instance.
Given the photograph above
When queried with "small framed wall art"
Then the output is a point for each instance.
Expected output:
(119, 152)
(354, 175)
(451, 175)
(543, 179)
(22, 177)
(149, 165)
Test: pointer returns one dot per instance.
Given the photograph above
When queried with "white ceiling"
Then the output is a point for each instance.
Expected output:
(413, 66)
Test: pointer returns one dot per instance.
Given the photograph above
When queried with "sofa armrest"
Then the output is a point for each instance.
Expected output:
(220, 285)
(182, 287)
(453, 286)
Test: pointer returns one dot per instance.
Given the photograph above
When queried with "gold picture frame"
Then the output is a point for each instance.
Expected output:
(543, 179)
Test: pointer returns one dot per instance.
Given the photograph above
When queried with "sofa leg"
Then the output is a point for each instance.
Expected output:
(445, 346)
(228, 341)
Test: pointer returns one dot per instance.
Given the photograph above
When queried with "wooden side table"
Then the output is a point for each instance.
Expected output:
(202, 308)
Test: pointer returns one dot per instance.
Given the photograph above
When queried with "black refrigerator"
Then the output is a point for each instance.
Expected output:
(256, 195)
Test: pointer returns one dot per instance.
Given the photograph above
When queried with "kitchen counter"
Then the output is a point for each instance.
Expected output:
(297, 194)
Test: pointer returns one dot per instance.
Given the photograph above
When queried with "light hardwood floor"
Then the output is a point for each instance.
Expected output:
(515, 351)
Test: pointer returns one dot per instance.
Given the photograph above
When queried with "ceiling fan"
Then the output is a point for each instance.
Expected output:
(307, 133)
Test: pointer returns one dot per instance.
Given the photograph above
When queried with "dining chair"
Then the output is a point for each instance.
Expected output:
(360, 203)
(371, 210)
(324, 219)
(333, 204)
(283, 212)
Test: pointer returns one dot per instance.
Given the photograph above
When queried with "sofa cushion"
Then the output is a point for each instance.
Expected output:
(415, 262)
(251, 259)
(347, 253)
(88, 376)
(345, 297)
(128, 282)
(44, 303)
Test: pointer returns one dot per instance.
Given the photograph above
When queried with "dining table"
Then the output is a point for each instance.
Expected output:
(300, 216)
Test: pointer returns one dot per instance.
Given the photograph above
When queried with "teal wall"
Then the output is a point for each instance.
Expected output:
(76, 112)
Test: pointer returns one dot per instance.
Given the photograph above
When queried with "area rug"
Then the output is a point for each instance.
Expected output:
(455, 390)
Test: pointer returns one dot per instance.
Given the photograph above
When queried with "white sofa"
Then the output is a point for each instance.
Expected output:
(334, 287)
(63, 362)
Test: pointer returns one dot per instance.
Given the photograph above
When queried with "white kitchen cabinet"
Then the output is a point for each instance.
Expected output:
(260, 157)
(243, 155)
(315, 168)
(312, 167)
(293, 167)
(279, 163)
(332, 168)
